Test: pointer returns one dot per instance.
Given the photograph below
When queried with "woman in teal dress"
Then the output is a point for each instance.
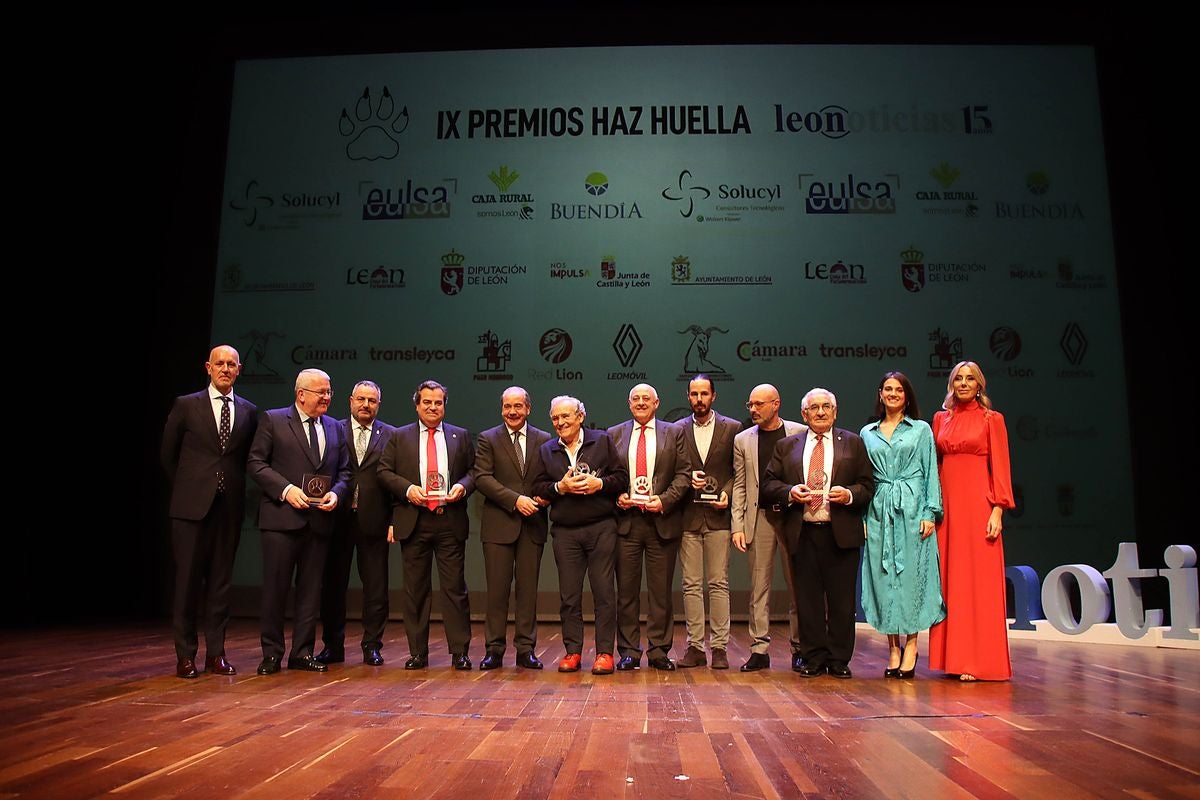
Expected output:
(901, 587)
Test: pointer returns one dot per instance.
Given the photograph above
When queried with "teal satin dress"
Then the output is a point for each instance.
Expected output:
(901, 586)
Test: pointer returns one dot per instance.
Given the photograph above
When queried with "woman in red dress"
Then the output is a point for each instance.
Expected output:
(972, 447)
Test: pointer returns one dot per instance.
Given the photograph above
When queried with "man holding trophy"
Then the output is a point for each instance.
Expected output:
(650, 524)
(427, 467)
(581, 476)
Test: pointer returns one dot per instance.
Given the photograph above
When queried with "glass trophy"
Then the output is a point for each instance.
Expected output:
(436, 487)
(639, 493)
(315, 487)
(817, 485)
(709, 493)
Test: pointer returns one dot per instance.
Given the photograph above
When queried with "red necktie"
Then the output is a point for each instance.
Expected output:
(816, 473)
(431, 466)
(641, 456)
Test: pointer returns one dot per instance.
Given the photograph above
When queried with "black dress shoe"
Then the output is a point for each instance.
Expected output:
(269, 665)
(811, 669)
(186, 668)
(307, 664)
(330, 655)
(840, 671)
(217, 665)
(757, 661)
(663, 663)
(797, 662)
(628, 663)
(461, 662)
(491, 661)
(891, 672)
(371, 657)
(528, 661)
(417, 662)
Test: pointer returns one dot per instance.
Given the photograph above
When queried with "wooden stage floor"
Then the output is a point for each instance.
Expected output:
(99, 712)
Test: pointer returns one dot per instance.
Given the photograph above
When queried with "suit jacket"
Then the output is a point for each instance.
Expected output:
(191, 455)
(719, 465)
(498, 477)
(280, 455)
(671, 478)
(851, 469)
(745, 506)
(400, 468)
(374, 501)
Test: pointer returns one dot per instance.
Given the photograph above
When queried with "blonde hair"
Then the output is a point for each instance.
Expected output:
(982, 397)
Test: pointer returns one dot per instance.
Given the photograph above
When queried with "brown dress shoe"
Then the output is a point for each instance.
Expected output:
(720, 660)
(185, 668)
(217, 665)
(694, 657)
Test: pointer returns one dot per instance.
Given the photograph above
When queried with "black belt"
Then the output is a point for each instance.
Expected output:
(818, 524)
(438, 511)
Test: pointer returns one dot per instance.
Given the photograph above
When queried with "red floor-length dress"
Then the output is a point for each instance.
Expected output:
(972, 446)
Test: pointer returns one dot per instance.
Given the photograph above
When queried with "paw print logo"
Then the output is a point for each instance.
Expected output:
(373, 129)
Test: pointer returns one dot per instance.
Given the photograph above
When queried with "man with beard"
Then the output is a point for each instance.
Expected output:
(708, 437)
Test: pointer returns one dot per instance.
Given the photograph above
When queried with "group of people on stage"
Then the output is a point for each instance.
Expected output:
(921, 504)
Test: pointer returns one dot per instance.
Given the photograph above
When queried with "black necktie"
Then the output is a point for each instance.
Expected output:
(313, 444)
(223, 439)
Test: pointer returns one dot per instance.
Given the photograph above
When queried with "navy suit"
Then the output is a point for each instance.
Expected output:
(294, 541)
(361, 524)
(206, 523)
(425, 535)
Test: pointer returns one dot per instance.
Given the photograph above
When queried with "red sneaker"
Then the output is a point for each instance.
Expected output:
(571, 663)
(603, 664)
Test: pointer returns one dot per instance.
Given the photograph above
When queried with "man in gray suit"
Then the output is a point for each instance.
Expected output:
(512, 527)
(708, 437)
(650, 526)
(361, 525)
(758, 528)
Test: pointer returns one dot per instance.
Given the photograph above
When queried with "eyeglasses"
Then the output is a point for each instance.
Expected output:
(826, 407)
(322, 393)
(755, 405)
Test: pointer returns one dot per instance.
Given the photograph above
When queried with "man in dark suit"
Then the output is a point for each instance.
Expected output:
(512, 527)
(825, 478)
(650, 524)
(426, 465)
(581, 475)
(204, 447)
(361, 524)
(299, 459)
(708, 439)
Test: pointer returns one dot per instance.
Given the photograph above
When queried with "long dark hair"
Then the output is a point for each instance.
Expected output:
(910, 396)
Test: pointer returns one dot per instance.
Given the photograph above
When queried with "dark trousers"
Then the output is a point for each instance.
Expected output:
(587, 550)
(500, 562)
(824, 576)
(643, 543)
(372, 547)
(291, 555)
(204, 551)
(420, 550)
